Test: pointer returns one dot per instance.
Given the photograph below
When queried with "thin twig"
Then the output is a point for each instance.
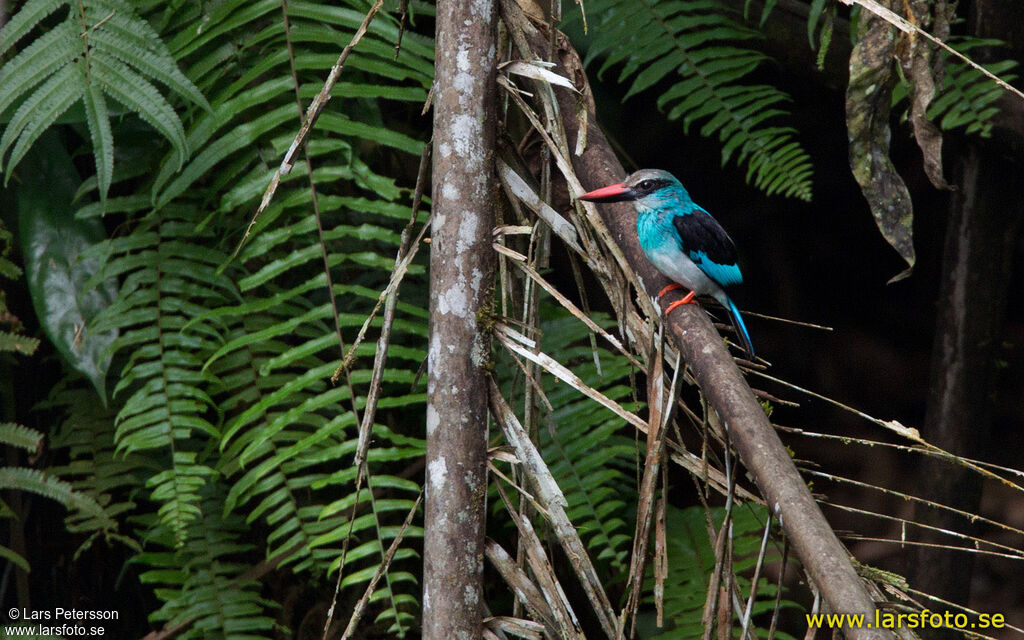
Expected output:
(954, 605)
(513, 340)
(657, 403)
(898, 447)
(1014, 552)
(711, 604)
(526, 592)
(344, 557)
(798, 323)
(406, 253)
(906, 432)
(384, 341)
(564, 617)
(324, 254)
(972, 517)
(520, 261)
(357, 611)
(778, 589)
(757, 575)
(930, 545)
(403, 10)
(312, 115)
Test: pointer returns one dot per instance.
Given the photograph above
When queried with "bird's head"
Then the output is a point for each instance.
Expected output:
(648, 188)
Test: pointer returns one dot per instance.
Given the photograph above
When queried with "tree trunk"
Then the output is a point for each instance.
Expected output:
(461, 272)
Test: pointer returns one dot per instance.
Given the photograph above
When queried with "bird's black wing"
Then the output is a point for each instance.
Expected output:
(708, 245)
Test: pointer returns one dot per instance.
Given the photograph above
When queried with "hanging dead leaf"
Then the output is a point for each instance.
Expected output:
(868, 99)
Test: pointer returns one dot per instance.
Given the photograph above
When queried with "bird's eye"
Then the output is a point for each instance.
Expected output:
(646, 184)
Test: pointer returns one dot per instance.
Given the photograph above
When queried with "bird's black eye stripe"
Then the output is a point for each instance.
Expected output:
(650, 185)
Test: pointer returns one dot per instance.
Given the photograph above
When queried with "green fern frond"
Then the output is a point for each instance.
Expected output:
(693, 45)
(202, 583)
(17, 435)
(40, 483)
(967, 97)
(223, 133)
(39, 111)
(18, 343)
(287, 426)
(225, 384)
(102, 48)
(94, 468)
(691, 560)
(167, 282)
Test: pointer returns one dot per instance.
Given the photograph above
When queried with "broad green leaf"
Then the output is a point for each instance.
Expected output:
(53, 242)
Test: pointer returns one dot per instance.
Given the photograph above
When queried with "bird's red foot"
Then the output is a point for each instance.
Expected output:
(687, 299)
(667, 288)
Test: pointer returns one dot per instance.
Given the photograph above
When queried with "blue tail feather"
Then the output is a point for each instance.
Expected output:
(741, 329)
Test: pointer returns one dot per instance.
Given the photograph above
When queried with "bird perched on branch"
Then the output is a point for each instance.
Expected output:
(681, 239)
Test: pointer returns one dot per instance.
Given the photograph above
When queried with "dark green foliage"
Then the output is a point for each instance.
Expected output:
(587, 453)
(966, 97)
(81, 505)
(94, 468)
(169, 279)
(58, 270)
(696, 46)
(101, 49)
(225, 425)
(691, 559)
(202, 583)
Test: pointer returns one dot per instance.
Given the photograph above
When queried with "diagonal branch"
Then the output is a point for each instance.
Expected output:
(788, 497)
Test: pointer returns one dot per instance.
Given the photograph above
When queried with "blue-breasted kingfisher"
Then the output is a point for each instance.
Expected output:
(681, 239)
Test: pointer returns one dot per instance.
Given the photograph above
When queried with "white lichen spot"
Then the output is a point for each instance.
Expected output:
(454, 300)
(471, 596)
(449, 192)
(467, 233)
(466, 133)
(433, 420)
(434, 352)
(462, 60)
(463, 84)
(444, 149)
(481, 8)
(478, 277)
(438, 470)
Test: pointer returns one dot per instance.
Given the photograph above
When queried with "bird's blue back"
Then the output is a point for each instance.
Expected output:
(668, 215)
